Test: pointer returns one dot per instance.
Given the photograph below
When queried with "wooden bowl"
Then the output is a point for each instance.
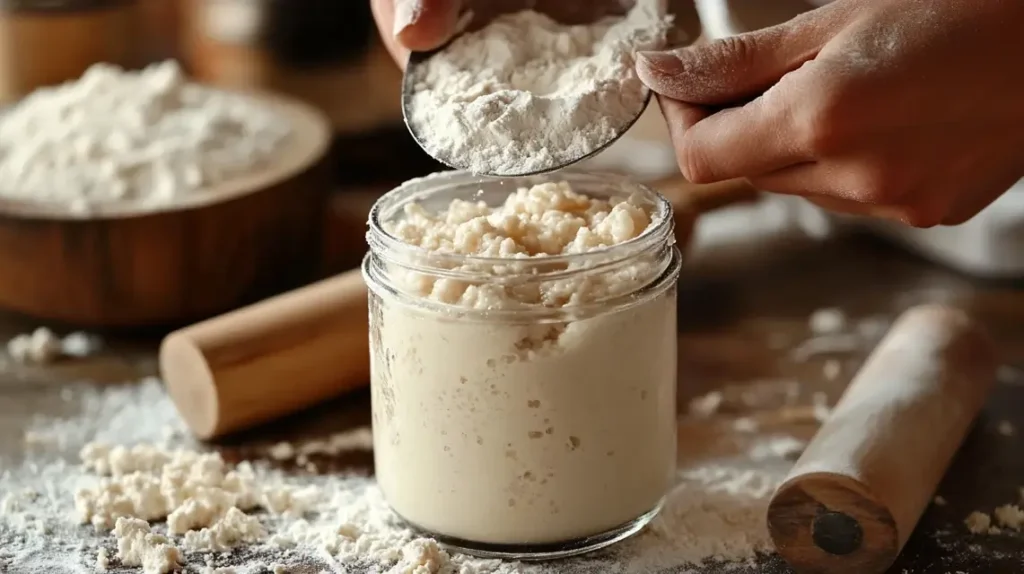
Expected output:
(125, 265)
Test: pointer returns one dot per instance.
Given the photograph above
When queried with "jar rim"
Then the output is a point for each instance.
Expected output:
(534, 315)
(380, 240)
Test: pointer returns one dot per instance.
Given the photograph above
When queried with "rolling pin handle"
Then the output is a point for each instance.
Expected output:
(849, 505)
(837, 533)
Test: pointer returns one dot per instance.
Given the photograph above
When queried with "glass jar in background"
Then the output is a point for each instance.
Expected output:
(523, 431)
(47, 42)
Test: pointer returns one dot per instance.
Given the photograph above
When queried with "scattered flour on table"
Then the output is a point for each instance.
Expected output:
(1010, 516)
(152, 501)
(138, 546)
(113, 135)
(706, 405)
(978, 522)
(353, 440)
(44, 346)
(1005, 518)
(527, 94)
(826, 321)
(833, 333)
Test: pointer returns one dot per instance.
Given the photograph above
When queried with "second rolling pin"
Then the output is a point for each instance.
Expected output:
(854, 496)
(292, 351)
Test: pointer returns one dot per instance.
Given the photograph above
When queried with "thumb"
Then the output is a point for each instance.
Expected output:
(425, 24)
(406, 25)
(732, 69)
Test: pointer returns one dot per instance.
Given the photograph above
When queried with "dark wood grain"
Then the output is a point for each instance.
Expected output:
(865, 536)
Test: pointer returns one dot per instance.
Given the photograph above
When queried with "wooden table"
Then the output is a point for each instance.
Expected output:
(867, 278)
(736, 329)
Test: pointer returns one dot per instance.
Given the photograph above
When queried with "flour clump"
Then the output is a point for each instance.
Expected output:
(150, 137)
(547, 219)
(527, 94)
(43, 346)
(138, 546)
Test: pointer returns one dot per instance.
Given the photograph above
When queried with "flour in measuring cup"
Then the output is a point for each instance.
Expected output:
(526, 93)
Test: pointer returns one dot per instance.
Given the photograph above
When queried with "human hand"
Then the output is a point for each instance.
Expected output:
(418, 25)
(904, 109)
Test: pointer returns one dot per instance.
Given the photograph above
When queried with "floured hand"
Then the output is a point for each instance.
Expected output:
(905, 109)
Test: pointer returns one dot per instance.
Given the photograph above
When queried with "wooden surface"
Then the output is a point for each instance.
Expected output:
(127, 265)
(743, 311)
(738, 330)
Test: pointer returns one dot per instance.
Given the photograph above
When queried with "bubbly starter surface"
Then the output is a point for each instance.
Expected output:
(524, 432)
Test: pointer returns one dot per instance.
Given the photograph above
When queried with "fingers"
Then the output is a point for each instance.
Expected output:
(422, 25)
(384, 16)
(734, 68)
(827, 188)
(731, 143)
(415, 25)
(680, 116)
(847, 207)
(944, 202)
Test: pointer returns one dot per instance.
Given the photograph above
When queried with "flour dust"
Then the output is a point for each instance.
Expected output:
(171, 496)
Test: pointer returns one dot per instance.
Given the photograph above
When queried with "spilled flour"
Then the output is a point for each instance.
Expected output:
(44, 346)
(109, 483)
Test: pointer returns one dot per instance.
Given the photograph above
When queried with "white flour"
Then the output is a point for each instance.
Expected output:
(150, 137)
(337, 443)
(527, 94)
(44, 346)
(715, 513)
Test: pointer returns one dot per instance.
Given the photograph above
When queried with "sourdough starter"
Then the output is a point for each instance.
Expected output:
(544, 425)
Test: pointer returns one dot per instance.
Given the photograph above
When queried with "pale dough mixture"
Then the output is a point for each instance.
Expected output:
(524, 430)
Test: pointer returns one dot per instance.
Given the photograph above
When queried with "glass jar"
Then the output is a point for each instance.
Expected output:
(526, 431)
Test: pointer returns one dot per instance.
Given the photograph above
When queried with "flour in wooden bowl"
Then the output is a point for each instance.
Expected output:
(149, 136)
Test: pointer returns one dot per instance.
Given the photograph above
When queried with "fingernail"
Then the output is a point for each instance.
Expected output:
(406, 14)
(664, 63)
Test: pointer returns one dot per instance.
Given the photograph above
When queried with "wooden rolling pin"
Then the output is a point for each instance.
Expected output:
(271, 358)
(292, 351)
(857, 492)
